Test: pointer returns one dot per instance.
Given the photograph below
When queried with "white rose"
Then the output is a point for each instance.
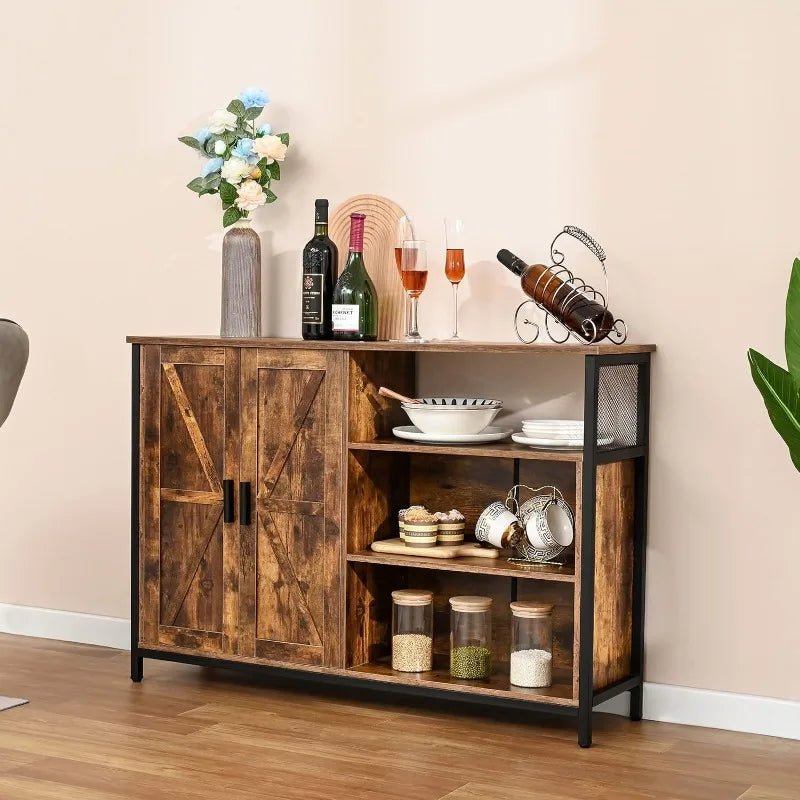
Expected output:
(219, 147)
(221, 121)
(234, 169)
(270, 147)
(250, 196)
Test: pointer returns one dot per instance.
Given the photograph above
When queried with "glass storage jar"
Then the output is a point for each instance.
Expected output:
(531, 644)
(471, 637)
(412, 630)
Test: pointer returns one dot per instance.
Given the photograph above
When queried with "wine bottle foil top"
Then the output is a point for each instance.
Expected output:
(357, 233)
(321, 210)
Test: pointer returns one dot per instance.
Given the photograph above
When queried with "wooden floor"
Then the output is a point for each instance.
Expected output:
(187, 733)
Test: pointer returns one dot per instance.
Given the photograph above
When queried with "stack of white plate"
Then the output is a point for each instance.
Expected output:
(555, 433)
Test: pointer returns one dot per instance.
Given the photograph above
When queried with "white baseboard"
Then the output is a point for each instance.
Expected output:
(662, 703)
(68, 626)
(707, 708)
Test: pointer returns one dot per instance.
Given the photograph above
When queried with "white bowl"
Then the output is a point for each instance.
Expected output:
(453, 415)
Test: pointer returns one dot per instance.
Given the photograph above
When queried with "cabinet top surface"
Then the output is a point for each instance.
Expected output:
(428, 347)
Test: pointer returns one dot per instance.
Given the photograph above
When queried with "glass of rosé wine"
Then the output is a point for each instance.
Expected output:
(414, 273)
(404, 232)
(454, 265)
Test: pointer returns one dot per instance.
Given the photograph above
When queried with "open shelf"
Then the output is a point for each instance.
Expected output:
(560, 693)
(506, 449)
(481, 566)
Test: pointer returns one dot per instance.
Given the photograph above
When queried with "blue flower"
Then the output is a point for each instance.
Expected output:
(265, 129)
(212, 165)
(244, 150)
(253, 97)
(202, 135)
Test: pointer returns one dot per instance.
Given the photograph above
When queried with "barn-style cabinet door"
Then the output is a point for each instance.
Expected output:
(292, 428)
(189, 460)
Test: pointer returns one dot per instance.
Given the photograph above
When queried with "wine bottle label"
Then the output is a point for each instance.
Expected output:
(313, 292)
(345, 318)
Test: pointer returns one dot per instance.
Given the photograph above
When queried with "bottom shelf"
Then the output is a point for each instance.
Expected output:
(560, 693)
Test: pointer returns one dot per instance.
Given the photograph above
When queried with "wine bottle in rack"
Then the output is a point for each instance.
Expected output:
(320, 265)
(355, 301)
(576, 311)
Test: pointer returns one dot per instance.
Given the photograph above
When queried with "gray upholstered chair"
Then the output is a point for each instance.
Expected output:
(13, 359)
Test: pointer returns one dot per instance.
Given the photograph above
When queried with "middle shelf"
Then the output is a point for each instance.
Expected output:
(482, 566)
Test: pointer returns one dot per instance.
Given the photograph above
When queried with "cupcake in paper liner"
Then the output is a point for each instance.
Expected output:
(401, 517)
(451, 527)
(420, 528)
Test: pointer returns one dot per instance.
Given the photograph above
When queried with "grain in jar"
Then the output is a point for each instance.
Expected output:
(471, 637)
(531, 644)
(412, 630)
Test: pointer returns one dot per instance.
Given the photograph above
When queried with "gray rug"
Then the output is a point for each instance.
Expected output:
(11, 702)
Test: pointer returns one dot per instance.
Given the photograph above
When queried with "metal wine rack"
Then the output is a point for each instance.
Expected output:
(573, 290)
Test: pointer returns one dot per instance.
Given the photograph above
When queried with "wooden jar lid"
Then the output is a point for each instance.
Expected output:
(412, 597)
(470, 603)
(530, 608)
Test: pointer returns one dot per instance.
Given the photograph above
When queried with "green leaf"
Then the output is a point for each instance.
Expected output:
(253, 113)
(227, 191)
(212, 181)
(793, 322)
(190, 141)
(284, 137)
(271, 196)
(230, 216)
(782, 399)
(208, 147)
(274, 170)
(196, 184)
(264, 179)
(236, 107)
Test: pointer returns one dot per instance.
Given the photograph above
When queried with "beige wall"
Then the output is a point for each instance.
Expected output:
(669, 130)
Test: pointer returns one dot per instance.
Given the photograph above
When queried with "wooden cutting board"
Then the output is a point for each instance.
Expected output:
(380, 235)
(398, 547)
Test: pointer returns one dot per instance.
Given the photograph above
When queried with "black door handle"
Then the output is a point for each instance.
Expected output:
(228, 509)
(244, 502)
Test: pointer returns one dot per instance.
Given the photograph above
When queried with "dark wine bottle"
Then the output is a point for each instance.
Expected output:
(320, 266)
(355, 301)
(582, 315)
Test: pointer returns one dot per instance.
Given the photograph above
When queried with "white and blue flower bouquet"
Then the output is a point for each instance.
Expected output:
(242, 157)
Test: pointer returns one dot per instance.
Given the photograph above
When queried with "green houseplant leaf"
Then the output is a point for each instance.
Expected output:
(793, 323)
(782, 399)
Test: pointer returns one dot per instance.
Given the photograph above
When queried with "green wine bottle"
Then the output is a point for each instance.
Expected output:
(355, 301)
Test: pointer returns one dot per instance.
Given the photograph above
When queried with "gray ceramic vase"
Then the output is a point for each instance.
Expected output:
(241, 282)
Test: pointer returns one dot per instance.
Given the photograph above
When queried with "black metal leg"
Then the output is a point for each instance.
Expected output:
(637, 694)
(585, 726)
(137, 669)
(588, 498)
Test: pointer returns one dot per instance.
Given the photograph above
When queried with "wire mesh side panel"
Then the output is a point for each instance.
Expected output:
(617, 392)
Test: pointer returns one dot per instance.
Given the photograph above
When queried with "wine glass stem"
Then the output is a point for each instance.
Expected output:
(412, 330)
(405, 314)
(455, 310)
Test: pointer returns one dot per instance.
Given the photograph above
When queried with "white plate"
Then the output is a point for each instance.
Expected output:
(490, 434)
(578, 423)
(555, 444)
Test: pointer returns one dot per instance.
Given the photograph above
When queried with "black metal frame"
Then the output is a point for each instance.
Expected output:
(588, 698)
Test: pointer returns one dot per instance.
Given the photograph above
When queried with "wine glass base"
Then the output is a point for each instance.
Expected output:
(414, 340)
(454, 339)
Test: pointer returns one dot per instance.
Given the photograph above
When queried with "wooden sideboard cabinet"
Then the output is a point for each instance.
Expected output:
(263, 469)
(240, 502)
